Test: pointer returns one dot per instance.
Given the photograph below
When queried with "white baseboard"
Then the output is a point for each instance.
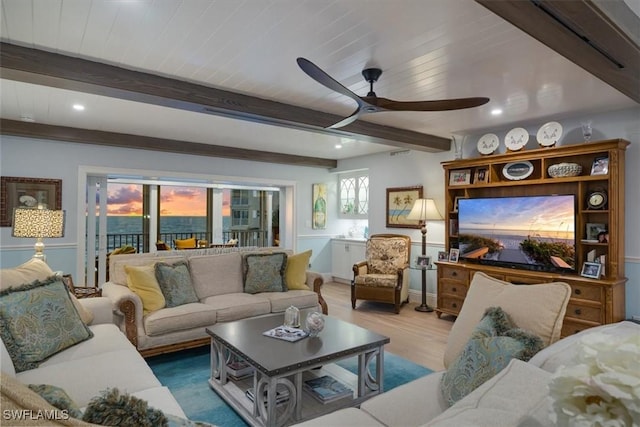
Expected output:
(416, 296)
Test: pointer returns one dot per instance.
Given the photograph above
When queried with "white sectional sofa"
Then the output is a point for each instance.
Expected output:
(516, 396)
(83, 370)
(217, 278)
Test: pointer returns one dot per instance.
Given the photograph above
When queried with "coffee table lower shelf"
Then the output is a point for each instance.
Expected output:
(233, 393)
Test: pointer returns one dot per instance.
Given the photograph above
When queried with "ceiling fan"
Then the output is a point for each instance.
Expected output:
(373, 104)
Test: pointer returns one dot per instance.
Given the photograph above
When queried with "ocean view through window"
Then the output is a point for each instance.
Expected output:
(181, 212)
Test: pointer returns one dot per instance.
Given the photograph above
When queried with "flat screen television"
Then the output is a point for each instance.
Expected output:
(527, 232)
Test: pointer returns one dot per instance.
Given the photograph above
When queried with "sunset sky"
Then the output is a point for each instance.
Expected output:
(126, 199)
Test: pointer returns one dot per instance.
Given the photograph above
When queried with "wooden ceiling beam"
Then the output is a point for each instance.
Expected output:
(582, 32)
(65, 72)
(123, 140)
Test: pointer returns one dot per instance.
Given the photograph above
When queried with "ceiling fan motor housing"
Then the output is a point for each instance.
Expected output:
(371, 75)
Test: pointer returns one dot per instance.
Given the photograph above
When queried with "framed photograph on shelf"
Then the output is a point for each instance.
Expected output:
(482, 176)
(453, 254)
(455, 203)
(591, 270)
(423, 261)
(19, 192)
(460, 177)
(443, 256)
(600, 166)
(453, 227)
(593, 230)
(399, 203)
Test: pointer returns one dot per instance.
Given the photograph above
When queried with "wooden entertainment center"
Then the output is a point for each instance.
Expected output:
(594, 301)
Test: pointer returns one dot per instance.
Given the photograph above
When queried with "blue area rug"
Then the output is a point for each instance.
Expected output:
(186, 374)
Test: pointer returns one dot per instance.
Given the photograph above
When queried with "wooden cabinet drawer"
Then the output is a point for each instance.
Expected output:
(582, 291)
(591, 314)
(570, 328)
(454, 273)
(453, 288)
(450, 305)
(524, 280)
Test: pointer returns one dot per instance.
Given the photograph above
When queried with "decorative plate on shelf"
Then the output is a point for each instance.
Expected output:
(516, 171)
(516, 139)
(488, 143)
(549, 134)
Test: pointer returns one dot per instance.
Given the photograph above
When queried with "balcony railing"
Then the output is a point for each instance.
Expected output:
(140, 241)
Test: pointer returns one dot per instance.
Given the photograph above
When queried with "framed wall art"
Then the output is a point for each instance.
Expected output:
(319, 206)
(399, 203)
(20, 192)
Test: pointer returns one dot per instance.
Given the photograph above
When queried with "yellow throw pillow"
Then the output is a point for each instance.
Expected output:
(142, 281)
(295, 275)
(185, 243)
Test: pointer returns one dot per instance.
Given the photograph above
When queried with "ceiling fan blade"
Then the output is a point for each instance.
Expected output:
(437, 105)
(348, 120)
(317, 74)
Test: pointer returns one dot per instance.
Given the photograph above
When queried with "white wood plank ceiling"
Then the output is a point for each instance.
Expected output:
(428, 49)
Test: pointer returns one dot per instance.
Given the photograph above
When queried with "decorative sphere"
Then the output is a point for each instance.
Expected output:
(314, 323)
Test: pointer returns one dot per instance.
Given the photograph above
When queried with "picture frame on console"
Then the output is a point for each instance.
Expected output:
(591, 270)
(21, 192)
(454, 254)
(423, 261)
(443, 256)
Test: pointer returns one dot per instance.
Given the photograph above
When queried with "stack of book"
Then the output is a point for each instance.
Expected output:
(282, 395)
(239, 369)
(327, 389)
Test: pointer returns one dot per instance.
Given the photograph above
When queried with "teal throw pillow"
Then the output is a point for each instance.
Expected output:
(494, 342)
(38, 320)
(175, 283)
(112, 408)
(264, 272)
(58, 398)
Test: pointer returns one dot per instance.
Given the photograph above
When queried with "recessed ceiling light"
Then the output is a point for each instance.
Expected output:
(78, 107)
(496, 112)
(338, 146)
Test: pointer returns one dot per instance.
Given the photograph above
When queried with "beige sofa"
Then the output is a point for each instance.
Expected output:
(217, 277)
(83, 370)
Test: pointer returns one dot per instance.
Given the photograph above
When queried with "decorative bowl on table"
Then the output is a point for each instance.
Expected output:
(314, 323)
(562, 170)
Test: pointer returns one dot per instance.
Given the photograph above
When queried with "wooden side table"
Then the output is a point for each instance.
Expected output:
(81, 291)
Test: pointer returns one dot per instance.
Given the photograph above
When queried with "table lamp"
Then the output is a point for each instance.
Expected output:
(424, 210)
(38, 223)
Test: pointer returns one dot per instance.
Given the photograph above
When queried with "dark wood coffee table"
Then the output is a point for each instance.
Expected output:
(285, 365)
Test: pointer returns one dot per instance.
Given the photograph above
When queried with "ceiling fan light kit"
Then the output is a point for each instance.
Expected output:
(374, 104)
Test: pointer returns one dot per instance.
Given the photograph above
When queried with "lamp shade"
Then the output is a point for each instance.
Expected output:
(38, 223)
(424, 210)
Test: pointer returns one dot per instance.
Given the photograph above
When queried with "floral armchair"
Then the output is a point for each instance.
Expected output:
(384, 275)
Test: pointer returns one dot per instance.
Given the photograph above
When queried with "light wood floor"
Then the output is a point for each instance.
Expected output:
(419, 337)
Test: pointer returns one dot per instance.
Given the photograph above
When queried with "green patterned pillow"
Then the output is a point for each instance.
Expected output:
(175, 283)
(39, 320)
(494, 342)
(264, 272)
(58, 398)
(112, 408)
